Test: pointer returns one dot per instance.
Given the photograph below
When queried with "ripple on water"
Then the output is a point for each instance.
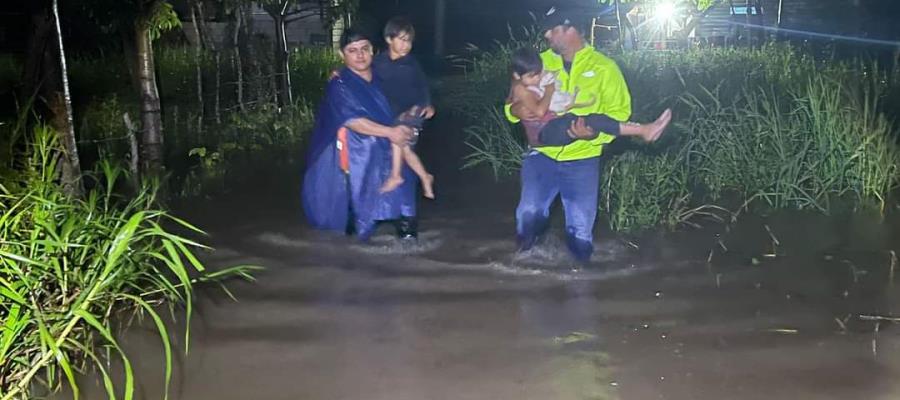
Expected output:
(282, 240)
(549, 259)
(391, 244)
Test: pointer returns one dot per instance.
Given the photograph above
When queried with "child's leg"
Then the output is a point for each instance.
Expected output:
(602, 123)
(395, 179)
(648, 132)
(556, 132)
(415, 163)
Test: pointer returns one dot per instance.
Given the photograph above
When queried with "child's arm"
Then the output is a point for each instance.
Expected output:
(574, 105)
(527, 103)
(580, 105)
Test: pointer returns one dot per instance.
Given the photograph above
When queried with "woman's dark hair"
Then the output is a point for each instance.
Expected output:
(526, 60)
(350, 36)
(397, 26)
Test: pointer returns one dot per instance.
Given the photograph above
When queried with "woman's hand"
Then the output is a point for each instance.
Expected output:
(400, 135)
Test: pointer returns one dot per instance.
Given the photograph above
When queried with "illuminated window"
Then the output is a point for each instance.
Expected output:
(742, 10)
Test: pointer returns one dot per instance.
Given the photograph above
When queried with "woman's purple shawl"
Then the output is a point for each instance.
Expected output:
(329, 193)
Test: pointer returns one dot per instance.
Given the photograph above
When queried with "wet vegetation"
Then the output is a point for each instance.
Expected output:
(77, 270)
(213, 129)
(73, 272)
(756, 129)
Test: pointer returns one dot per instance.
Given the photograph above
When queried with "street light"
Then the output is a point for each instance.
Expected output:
(665, 11)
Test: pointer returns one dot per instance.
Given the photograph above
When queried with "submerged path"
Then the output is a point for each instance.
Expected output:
(458, 317)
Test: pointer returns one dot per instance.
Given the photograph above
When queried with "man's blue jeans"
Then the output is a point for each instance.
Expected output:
(577, 182)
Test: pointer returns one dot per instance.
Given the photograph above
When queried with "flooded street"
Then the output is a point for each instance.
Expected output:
(459, 316)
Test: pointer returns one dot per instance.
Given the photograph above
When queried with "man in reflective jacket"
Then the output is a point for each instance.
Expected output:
(571, 171)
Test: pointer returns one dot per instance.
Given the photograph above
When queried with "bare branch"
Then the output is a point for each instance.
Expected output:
(299, 17)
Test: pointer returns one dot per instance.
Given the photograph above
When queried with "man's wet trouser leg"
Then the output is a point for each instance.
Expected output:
(539, 188)
(577, 182)
(579, 185)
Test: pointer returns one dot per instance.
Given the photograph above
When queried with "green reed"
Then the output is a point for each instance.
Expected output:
(70, 268)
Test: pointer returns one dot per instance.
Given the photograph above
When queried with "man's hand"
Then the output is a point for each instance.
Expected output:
(334, 75)
(427, 112)
(579, 130)
(400, 135)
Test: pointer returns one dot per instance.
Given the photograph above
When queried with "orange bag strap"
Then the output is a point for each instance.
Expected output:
(343, 149)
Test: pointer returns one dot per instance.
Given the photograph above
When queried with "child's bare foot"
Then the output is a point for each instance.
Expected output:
(657, 127)
(648, 132)
(428, 186)
(391, 183)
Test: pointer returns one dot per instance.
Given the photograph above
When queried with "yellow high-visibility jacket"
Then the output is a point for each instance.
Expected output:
(594, 74)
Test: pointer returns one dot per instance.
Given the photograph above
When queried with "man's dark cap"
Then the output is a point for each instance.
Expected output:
(567, 16)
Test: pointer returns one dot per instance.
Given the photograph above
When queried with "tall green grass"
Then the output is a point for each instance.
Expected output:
(310, 70)
(70, 268)
(495, 142)
(656, 186)
(485, 73)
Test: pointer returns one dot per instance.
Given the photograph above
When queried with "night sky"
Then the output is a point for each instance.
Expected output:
(483, 21)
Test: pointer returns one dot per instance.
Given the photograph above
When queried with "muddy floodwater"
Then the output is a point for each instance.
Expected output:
(800, 310)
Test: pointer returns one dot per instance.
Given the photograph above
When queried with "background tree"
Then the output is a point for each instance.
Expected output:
(45, 83)
(284, 12)
(138, 23)
(71, 169)
(152, 17)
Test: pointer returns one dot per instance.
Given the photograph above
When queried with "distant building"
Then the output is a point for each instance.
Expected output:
(729, 18)
(308, 31)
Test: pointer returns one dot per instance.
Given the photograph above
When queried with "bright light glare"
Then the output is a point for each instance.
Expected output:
(665, 10)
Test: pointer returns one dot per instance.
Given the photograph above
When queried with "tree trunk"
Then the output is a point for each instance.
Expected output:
(198, 59)
(778, 19)
(200, 22)
(281, 77)
(236, 56)
(151, 117)
(255, 81)
(619, 24)
(71, 167)
(282, 62)
(133, 149)
(217, 112)
(337, 28)
(210, 44)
